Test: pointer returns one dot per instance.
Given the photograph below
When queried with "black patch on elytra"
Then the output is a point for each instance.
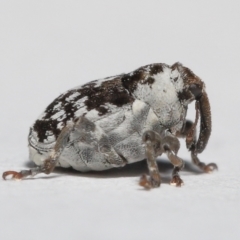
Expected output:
(50, 110)
(42, 126)
(65, 105)
(156, 68)
(111, 92)
(142, 75)
(130, 81)
(149, 81)
(102, 110)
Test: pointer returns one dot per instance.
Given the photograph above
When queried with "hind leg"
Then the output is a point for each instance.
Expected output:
(50, 163)
(88, 141)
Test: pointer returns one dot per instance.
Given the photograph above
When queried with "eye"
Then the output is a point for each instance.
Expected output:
(196, 91)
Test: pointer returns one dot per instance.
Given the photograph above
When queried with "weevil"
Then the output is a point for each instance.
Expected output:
(123, 119)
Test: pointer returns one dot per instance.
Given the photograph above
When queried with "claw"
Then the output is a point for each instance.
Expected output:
(144, 182)
(176, 181)
(149, 182)
(209, 168)
(15, 175)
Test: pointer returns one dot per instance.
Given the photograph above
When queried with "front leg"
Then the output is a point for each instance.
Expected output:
(189, 131)
(207, 168)
(171, 146)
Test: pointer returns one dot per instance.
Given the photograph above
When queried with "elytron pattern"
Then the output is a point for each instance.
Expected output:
(123, 119)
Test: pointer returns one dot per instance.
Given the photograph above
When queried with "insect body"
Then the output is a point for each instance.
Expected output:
(123, 119)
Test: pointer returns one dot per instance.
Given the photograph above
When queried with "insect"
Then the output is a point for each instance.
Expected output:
(123, 119)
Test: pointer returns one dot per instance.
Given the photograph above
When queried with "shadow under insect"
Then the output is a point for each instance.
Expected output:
(130, 170)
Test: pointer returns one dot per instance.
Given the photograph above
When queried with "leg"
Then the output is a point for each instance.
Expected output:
(50, 163)
(189, 131)
(155, 147)
(171, 146)
(93, 146)
(152, 146)
(207, 168)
